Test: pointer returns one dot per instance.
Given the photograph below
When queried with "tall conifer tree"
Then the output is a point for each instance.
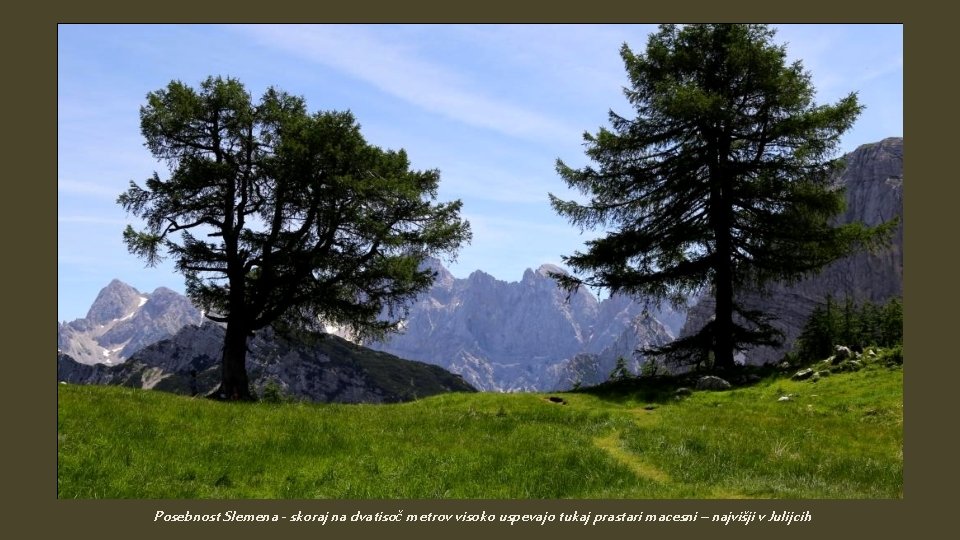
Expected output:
(277, 216)
(722, 179)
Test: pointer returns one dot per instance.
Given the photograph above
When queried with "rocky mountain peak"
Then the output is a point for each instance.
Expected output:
(163, 291)
(115, 301)
(542, 273)
(164, 300)
(479, 276)
(542, 278)
(640, 332)
(443, 276)
(123, 320)
(546, 269)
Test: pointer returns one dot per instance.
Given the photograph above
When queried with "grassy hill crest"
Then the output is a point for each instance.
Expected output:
(838, 437)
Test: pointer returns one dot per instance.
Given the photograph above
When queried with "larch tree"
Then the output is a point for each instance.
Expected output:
(277, 216)
(722, 180)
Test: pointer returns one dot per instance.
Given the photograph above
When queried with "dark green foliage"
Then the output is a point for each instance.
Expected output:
(891, 323)
(620, 371)
(853, 326)
(277, 216)
(820, 333)
(721, 180)
(650, 368)
(893, 356)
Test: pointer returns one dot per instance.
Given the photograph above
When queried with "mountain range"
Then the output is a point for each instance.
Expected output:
(499, 336)
(526, 335)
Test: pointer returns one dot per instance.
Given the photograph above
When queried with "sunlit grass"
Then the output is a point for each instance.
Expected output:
(841, 437)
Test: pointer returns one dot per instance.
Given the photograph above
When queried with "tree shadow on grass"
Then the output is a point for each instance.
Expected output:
(660, 389)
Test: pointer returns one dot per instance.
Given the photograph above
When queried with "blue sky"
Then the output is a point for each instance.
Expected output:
(491, 106)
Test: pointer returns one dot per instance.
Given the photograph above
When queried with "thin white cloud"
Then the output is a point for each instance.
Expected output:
(78, 187)
(498, 228)
(843, 58)
(397, 70)
(91, 220)
(497, 186)
(895, 65)
(582, 58)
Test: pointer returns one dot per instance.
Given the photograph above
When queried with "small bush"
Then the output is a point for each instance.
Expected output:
(893, 355)
(273, 392)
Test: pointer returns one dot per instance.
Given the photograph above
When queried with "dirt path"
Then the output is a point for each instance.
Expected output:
(612, 444)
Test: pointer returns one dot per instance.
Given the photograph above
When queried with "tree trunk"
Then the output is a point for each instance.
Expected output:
(723, 320)
(723, 342)
(234, 384)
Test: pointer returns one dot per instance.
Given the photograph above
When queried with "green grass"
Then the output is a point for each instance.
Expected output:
(841, 437)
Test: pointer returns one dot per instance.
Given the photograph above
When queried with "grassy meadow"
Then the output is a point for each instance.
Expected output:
(838, 437)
